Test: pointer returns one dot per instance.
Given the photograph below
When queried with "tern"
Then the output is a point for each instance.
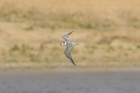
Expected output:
(69, 46)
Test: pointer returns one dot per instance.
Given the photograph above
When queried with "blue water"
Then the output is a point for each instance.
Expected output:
(25, 81)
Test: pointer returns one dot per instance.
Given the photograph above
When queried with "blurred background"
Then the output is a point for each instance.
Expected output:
(107, 31)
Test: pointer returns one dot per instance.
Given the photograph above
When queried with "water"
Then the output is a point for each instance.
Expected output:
(69, 82)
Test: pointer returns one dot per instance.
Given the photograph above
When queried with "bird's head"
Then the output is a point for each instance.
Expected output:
(63, 43)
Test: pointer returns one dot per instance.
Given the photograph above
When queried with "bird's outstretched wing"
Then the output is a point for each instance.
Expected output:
(68, 55)
(65, 37)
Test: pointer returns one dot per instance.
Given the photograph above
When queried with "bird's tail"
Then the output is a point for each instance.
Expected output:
(74, 44)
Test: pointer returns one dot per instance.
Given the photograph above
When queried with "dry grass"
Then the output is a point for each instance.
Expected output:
(89, 14)
(105, 49)
(30, 32)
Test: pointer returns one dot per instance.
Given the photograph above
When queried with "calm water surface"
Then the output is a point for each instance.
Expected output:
(69, 82)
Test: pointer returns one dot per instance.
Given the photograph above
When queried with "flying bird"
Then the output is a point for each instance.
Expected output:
(69, 46)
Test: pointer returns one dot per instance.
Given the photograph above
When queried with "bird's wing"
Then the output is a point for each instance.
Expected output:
(68, 55)
(65, 37)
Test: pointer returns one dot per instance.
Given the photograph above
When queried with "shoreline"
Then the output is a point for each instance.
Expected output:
(63, 68)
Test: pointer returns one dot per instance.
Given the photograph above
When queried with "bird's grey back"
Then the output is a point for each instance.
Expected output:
(68, 43)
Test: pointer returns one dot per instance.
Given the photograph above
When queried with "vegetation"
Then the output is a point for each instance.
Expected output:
(107, 32)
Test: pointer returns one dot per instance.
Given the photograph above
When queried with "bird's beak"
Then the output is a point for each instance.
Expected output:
(60, 43)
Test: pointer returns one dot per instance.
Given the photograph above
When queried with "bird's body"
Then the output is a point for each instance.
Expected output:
(69, 46)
